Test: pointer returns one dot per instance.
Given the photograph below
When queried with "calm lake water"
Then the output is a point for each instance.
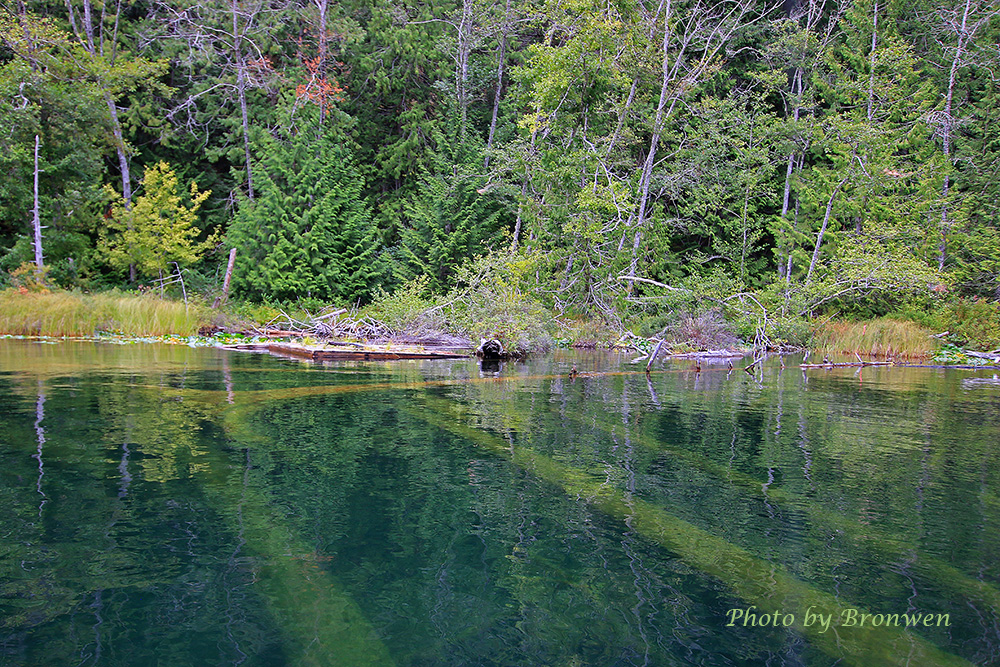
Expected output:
(163, 505)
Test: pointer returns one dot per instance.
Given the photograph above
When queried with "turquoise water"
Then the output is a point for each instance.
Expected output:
(173, 506)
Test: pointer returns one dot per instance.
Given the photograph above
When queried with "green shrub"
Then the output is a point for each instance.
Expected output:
(973, 323)
(407, 309)
(493, 300)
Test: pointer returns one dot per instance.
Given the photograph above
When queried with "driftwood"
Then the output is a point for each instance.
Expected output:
(279, 333)
(360, 353)
(709, 354)
(994, 357)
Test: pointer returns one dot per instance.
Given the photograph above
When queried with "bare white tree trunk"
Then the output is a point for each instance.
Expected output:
(501, 62)
(225, 283)
(241, 91)
(36, 214)
(822, 229)
(963, 37)
(871, 63)
(465, 43)
(796, 108)
(324, 44)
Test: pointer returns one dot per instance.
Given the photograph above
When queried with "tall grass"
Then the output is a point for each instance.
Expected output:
(72, 314)
(880, 338)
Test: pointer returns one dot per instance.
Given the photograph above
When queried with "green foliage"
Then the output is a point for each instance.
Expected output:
(724, 186)
(972, 323)
(387, 181)
(450, 219)
(61, 90)
(158, 228)
(309, 232)
(492, 299)
(952, 354)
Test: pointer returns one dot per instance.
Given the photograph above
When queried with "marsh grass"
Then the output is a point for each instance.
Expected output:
(73, 314)
(883, 337)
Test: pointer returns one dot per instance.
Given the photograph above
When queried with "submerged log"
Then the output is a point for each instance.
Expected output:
(351, 351)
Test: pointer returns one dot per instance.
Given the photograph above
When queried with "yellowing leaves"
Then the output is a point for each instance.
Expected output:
(158, 228)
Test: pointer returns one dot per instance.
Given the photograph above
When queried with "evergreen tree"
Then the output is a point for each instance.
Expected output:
(308, 233)
(451, 218)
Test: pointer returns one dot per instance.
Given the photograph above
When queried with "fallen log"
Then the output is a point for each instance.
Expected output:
(854, 364)
(656, 351)
(983, 355)
(364, 353)
(279, 333)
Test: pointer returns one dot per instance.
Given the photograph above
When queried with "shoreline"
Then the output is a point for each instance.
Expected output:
(399, 351)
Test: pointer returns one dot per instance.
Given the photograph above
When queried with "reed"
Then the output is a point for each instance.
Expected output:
(73, 314)
(879, 338)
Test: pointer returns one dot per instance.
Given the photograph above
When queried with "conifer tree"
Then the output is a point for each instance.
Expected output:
(451, 218)
(308, 233)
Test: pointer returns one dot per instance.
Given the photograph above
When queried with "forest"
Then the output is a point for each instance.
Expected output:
(622, 161)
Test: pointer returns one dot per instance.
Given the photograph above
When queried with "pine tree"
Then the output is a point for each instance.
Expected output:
(451, 218)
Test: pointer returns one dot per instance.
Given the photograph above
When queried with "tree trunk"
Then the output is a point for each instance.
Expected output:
(956, 62)
(632, 90)
(501, 62)
(822, 229)
(323, 45)
(647, 167)
(94, 46)
(225, 283)
(871, 63)
(36, 217)
(520, 217)
(464, 49)
(786, 199)
(241, 91)
(859, 221)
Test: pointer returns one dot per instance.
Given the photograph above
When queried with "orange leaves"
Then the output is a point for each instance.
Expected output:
(319, 88)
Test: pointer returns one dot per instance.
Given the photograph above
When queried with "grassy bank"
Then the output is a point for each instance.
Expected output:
(73, 314)
(521, 323)
(880, 338)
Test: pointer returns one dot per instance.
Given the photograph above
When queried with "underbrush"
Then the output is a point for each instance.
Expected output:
(973, 324)
(61, 313)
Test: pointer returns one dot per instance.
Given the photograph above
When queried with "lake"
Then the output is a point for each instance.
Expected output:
(191, 506)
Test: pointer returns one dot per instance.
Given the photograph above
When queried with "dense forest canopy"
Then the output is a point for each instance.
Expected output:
(813, 153)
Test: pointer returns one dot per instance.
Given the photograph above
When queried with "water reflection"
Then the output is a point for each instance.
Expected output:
(205, 507)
